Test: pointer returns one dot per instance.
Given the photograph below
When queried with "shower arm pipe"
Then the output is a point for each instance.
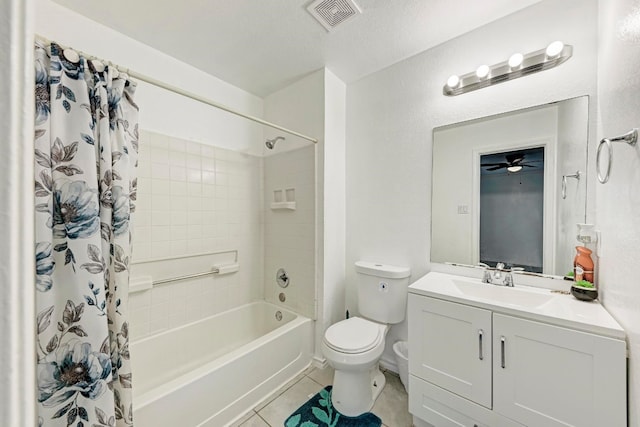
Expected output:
(175, 89)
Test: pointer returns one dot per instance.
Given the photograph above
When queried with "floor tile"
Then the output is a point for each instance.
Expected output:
(322, 376)
(278, 392)
(255, 421)
(276, 412)
(242, 419)
(392, 406)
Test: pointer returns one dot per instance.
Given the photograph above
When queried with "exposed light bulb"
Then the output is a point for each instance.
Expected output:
(514, 169)
(453, 81)
(515, 60)
(482, 71)
(554, 49)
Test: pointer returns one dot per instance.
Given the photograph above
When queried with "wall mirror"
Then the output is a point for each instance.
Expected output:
(511, 188)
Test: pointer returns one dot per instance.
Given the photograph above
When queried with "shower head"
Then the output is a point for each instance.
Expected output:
(270, 143)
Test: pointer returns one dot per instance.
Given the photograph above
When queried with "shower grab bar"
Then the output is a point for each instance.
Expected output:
(630, 138)
(188, 276)
(218, 266)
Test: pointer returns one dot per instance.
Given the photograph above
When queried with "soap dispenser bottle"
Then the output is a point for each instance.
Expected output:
(583, 261)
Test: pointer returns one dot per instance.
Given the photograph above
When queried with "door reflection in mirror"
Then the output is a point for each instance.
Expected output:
(512, 208)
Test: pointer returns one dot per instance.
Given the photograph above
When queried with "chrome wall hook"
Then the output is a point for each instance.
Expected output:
(564, 182)
(630, 138)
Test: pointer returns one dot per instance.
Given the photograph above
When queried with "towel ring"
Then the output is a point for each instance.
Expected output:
(630, 138)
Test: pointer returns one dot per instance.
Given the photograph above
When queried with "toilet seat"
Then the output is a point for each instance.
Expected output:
(354, 335)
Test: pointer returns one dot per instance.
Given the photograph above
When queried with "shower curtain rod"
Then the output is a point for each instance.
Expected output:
(175, 89)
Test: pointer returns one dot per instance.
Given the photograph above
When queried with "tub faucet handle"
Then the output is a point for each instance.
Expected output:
(282, 278)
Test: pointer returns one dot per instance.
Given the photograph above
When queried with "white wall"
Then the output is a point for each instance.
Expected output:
(618, 201)
(315, 105)
(334, 200)
(391, 114)
(293, 163)
(163, 112)
(300, 107)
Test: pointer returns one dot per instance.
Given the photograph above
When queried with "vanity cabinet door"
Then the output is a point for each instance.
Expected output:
(551, 376)
(451, 347)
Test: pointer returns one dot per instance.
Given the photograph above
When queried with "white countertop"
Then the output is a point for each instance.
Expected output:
(522, 301)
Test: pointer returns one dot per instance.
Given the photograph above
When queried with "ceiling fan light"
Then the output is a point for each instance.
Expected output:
(514, 169)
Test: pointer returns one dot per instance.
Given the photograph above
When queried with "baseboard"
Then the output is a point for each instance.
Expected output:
(389, 364)
(319, 362)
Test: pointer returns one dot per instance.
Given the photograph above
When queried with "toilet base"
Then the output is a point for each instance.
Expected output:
(354, 393)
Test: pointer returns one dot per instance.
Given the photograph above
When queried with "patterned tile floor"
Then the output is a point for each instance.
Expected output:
(391, 406)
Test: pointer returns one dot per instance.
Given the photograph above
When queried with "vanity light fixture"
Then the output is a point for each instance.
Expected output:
(517, 65)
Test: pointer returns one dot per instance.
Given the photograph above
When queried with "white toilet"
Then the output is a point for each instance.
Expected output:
(354, 346)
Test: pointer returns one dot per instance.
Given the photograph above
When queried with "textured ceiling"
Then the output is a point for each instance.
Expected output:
(264, 45)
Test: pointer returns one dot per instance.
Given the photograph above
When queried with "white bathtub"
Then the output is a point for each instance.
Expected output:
(210, 372)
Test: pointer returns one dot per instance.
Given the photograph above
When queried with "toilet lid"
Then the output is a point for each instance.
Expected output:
(354, 335)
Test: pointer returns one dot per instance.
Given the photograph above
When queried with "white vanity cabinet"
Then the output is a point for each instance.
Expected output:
(545, 375)
(461, 362)
(472, 364)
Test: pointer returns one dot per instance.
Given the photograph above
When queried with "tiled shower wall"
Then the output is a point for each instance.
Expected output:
(290, 234)
(195, 198)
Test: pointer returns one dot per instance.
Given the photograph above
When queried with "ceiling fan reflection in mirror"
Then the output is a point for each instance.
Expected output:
(514, 161)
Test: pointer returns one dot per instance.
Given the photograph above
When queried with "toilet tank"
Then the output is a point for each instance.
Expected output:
(382, 291)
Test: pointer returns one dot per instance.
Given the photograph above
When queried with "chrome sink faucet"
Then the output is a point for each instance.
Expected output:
(498, 275)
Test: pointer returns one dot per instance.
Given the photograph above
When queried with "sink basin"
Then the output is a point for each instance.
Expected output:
(533, 303)
(515, 297)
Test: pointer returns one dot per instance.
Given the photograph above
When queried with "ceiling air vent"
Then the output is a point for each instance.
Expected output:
(331, 13)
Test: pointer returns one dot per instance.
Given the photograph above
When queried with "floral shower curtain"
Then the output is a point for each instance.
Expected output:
(86, 149)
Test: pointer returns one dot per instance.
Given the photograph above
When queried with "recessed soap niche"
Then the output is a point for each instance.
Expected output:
(284, 198)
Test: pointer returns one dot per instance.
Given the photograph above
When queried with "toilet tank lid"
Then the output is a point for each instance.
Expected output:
(382, 270)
